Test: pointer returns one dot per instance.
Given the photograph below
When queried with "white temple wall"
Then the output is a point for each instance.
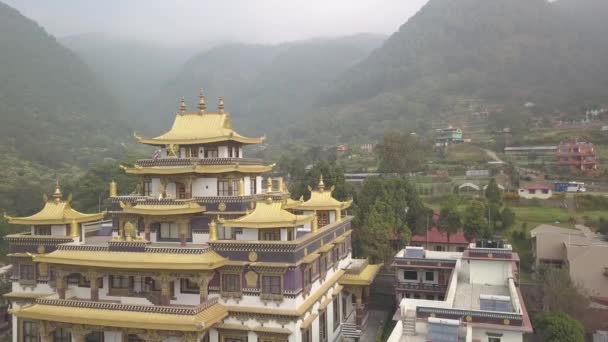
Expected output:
(204, 187)
(480, 334)
(58, 230)
(283, 234)
(332, 216)
(258, 184)
(249, 234)
(247, 185)
(170, 190)
(222, 151)
(39, 288)
(112, 336)
(155, 187)
(200, 238)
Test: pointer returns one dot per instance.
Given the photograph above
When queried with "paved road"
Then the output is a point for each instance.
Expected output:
(375, 323)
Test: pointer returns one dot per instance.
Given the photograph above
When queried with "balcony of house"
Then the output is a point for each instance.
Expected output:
(287, 251)
(421, 287)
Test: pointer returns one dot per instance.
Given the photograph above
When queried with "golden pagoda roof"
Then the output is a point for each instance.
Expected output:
(55, 211)
(199, 128)
(123, 319)
(290, 203)
(134, 260)
(321, 199)
(212, 169)
(269, 214)
(160, 209)
(364, 277)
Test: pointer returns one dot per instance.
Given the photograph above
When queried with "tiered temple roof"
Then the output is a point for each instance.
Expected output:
(200, 127)
(269, 214)
(322, 199)
(55, 211)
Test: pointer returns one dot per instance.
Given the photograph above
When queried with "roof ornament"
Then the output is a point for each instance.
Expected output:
(321, 184)
(57, 194)
(220, 106)
(182, 106)
(269, 185)
(201, 103)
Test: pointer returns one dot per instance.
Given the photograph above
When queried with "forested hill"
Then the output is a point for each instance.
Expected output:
(265, 86)
(500, 51)
(54, 113)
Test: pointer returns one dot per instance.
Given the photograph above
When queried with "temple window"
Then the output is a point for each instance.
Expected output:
(233, 337)
(85, 282)
(231, 283)
(271, 285)
(61, 335)
(308, 276)
(147, 187)
(306, 335)
(323, 264)
(95, 336)
(27, 272)
(253, 188)
(168, 231)
(270, 234)
(323, 326)
(134, 338)
(192, 152)
(119, 285)
(272, 338)
(336, 311)
(181, 190)
(323, 218)
(42, 230)
(188, 286)
(227, 187)
(211, 152)
(30, 331)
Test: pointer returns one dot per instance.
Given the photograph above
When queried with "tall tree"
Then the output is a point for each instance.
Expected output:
(450, 221)
(560, 293)
(402, 153)
(507, 218)
(474, 220)
(375, 238)
(558, 327)
(493, 192)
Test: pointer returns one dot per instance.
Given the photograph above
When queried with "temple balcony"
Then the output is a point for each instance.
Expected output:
(22, 243)
(197, 161)
(421, 287)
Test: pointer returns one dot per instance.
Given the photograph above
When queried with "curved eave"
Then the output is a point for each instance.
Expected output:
(134, 260)
(324, 206)
(139, 170)
(301, 220)
(196, 141)
(123, 319)
(364, 278)
(160, 211)
(32, 220)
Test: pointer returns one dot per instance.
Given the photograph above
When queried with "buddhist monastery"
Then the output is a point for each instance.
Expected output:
(206, 249)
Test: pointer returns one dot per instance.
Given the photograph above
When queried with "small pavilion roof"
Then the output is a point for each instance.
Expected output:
(360, 272)
(321, 199)
(269, 214)
(200, 128)
(55, 211)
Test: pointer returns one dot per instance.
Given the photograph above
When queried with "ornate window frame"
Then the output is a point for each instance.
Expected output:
(231, 271)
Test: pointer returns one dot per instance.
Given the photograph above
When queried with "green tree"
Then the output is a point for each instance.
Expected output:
(402, 153)
(474, 220)
(507, 218)
(375, 238)
(493, 192)
(333, 175)
(558, 327)
(449, 220)
(560, 293)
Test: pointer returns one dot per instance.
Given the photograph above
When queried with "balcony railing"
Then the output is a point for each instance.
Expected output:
(174, 310)
(197, 161)
(422, 287)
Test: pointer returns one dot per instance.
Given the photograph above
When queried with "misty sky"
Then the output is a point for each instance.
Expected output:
(188, 21)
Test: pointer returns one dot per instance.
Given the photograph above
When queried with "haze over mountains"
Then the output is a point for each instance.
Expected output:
(61, 108)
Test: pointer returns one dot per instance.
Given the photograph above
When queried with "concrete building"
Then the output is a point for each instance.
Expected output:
(580, 250)
(447, 136)
(540, 191)
(470, 296)
(437, 240)
(577, 155)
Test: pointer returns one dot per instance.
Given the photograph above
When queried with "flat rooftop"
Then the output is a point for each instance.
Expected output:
(467, 295)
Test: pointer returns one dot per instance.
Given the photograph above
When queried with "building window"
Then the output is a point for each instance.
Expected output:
(42, 230)
(231, 283)
(307, 276)
(30, 331)
(336, 311)
(211, 152)
(120, 283)
(181, 191)
(323, 326)
(147, 187)
(272, 338)
(85, 282)
(439, 248)
(232, 337)
(270, 234)
(134, 338)
(227, 187)
(323, 218)
(95, 336)
(188, 286)
(61, 335)
(460, 249)
(169, 231)
(253, 185)
(192, 151)
(430, 297)
(410, 275)
(306, 335)
(323, 264)
(493, 339)
(429, 276)
(271, 285)
(27, 272)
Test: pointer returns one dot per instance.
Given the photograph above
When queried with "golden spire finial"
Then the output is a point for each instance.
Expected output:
(321, 184)
(113, 189)
(220, 106)
(182, 106)
(201, 103)
(57, 194)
